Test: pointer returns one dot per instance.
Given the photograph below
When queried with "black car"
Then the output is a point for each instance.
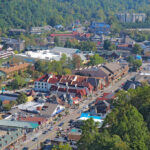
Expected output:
(34, 139)
(71, 121)
(44, 132)
(47, 141)
(25, 148)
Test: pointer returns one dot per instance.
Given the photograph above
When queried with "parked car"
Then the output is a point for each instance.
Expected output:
(34, 139)
(61, 124)
(44, 132)
(25, 148)
(71, 121)
(47, 141)
(51, 128)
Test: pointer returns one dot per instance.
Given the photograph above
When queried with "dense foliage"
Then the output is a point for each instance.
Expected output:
(124, 128)
(27, 13)
(83, 45)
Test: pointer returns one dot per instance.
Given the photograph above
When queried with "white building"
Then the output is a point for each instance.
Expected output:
(51, 54)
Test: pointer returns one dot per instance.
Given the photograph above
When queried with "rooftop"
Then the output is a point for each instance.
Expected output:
(18, 124)
(15, 67)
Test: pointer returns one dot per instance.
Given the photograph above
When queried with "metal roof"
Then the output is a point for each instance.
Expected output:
(64, 50)
(18, 124)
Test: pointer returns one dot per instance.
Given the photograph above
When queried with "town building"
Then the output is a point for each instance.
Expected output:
(74, 85)
(109, 72)
(100, 28)
(75, 134)
(131, 17)
(109, 54)
(63, 37)
(40, 30)
(6, 54)
(8, 137)
(50, 54)
(85, 116)
(34, 119)
(26, 126)
(18, 45)
(16, 31)
(12, 69)
(50, 110)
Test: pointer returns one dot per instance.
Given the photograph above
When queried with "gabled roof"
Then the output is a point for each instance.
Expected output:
(113, 67)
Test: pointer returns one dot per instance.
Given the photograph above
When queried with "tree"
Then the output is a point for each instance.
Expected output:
(62, 147)
(140, 98)
(68, 44)
(136, 64)
(63, 59)
(89, 133)
(56, 41)
(112, 47)
(67, 71)
(18, 82)
(96, 59)
(126, 122)
(6, 107)
(22, 98)
(76, 61)
(107, 44)
(137, 49)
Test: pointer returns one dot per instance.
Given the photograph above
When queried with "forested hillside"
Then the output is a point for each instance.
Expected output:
(26, 13)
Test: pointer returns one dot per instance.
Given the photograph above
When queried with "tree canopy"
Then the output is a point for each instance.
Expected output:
(124, 128)
(22, 98)
(24, 14)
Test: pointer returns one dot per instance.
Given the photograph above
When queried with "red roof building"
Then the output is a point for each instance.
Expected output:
(106, 97)
(39, 120)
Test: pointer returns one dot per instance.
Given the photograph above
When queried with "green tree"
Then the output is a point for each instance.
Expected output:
(140, 98)
(137, 49)
(67, 71)
(68, 44)
(62, 147)
(63, 59)
(18, 82)
(89, 133)
(112, 47)
(96, 59)
(76, 61)
(22, 98)
(107, 44)
(136, 64)
(6, 107)
(56, 41)
(133, 131)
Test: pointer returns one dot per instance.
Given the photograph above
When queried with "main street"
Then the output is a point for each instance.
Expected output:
(74, 114)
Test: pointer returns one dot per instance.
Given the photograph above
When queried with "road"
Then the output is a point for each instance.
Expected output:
(74, 114)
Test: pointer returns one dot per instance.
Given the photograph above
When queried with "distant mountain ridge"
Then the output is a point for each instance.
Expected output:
(27, 13)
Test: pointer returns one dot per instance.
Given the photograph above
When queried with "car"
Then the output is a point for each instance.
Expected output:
(61, 124)
(34, 139)
(47, 141)
(44, 132)
(25, 148)
(71, 121)
(51, 128)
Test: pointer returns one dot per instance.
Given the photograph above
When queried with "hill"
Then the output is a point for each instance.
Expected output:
(26, 13)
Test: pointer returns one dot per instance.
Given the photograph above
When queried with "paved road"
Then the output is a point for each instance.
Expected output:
(74, 114)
